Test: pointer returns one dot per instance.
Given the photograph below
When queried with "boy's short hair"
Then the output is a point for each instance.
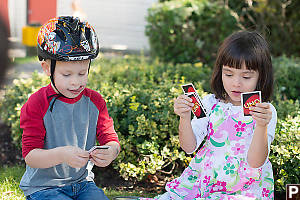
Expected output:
(249, 48)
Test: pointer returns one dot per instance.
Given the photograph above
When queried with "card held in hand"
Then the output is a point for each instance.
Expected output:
(197, 109)
(249, 99)
(187, 88)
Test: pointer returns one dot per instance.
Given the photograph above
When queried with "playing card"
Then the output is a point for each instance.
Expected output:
(98, 147)
(187, 88)
(249, 99)
(197, 109)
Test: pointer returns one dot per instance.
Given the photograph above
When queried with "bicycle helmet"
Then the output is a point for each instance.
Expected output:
(66, 38)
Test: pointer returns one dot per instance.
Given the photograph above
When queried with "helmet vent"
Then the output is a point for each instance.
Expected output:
(60, 34)
(87, 33)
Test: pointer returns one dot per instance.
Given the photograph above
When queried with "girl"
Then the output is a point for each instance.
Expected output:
(233, 162)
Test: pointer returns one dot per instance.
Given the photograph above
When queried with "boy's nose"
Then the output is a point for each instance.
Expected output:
(74, 81)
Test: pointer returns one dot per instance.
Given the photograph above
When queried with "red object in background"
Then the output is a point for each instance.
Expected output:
(4, 13)
(39, 12)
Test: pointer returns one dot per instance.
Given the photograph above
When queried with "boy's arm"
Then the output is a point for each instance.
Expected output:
(103, 157)
(106, 135)
(115, 148)
(105, 125)
(42, 158)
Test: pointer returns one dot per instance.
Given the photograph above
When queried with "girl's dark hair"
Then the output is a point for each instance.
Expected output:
(249, 48)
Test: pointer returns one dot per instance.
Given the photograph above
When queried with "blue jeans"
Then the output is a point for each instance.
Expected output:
(79, 191)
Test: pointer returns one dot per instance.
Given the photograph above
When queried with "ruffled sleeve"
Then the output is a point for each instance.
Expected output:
(200, 126)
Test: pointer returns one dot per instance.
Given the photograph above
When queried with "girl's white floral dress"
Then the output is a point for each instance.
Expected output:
(219, 170)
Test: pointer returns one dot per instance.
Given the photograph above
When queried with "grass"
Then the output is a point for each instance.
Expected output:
(9, 183)
(25, 60)
(10, 178)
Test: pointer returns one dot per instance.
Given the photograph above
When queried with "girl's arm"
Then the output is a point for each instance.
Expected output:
(187, 138)
(259, 149)
(182, 107)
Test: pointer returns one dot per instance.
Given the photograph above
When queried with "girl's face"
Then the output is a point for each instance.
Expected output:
(70, 77)
(236, 81)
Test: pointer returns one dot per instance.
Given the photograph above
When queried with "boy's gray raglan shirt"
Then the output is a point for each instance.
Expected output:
(72, 122)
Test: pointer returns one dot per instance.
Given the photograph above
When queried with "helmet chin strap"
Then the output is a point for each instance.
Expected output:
(56, 96)
(52, 69)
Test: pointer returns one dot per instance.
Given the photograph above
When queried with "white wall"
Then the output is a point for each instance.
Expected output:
(118, 23)
(17, 17)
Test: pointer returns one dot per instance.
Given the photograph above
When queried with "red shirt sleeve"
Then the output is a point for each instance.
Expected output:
(105, 125)
(31, 121)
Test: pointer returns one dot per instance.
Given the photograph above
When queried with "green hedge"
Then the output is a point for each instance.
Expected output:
(285, 156)
(277, 20)
(188, 31)
(139, 96)
(287, 77)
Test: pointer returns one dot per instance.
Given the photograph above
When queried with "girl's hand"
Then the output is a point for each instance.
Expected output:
(103, 157)
(74, 156)
(183, 106)
(262, 113)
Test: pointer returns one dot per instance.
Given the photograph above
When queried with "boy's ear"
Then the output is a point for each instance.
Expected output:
(46, 67)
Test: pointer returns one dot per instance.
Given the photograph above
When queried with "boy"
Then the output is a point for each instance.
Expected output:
(62, 121)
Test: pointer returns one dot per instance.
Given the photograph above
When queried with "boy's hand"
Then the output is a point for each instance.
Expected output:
(183, 106)
(103, 157)
(74, 156)
(262, 113)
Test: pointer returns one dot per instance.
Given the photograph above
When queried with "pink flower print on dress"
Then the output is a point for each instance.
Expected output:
(207, 165)
(240, 128)
(245, 171)
(207, 180)
(238, 149)
(189, 171)
(229, 159)
(265, 192)
(211, 130)
(249, 195)
(173, 184)
(219, 187)
(251, 180)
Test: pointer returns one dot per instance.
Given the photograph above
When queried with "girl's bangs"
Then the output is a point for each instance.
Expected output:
(236, 60)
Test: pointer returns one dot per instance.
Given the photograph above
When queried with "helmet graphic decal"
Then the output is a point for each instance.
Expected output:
(67, 38)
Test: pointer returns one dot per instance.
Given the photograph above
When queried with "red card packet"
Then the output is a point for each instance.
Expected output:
(198, 109)
(249, 99)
